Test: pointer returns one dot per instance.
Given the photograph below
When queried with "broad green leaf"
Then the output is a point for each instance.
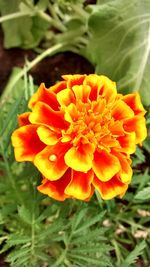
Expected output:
(119, 44)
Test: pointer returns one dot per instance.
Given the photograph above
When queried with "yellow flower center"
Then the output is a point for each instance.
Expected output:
(89, 123)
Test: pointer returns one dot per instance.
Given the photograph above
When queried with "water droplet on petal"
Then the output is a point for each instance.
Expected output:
(52, 157)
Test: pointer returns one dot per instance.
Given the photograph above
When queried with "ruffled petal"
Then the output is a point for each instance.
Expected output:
(71, 113)
(116, 128)
(23, 119)
(105, 165)
(44, 95)
(26, 143)
(126, 172)
(94, 82)
(80, 185)
(108, 89)
(47, 136)
(80, 158)
(58, 87)
(122, 111)
(50, 162)
(137, 125)
(127, 143)
(44, 115)
(82, 92)
(56, 189)
(72, 80)
(66, 97)
(134, 102)
(111, 188)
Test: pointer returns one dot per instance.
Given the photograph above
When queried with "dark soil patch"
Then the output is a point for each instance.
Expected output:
(2, 263)
(48, 70)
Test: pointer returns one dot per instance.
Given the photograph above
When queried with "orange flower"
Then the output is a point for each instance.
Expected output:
(80, 134)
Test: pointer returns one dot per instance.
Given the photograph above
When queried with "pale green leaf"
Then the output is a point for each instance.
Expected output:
(120, 44)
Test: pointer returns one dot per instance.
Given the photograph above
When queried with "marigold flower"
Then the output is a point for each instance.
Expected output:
(80, 134)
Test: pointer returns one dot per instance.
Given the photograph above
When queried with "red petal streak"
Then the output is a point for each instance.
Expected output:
(55, 189)
(105, 165)
(127, 143)
(58, 87)
(82, 92)
(94, 82)
(26, 143)
(137, 125)
(134, 102)
(122, 111)
(44, 95)
(23, 119)
(125, 173)
(111, 188)
(72, 80)
(80, 185)
(44, 115)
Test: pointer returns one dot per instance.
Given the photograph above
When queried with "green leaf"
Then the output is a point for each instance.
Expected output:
(90, 222)
(27, 30)
(25, 215)
(120, 44)
(132, 257)
(143, 194)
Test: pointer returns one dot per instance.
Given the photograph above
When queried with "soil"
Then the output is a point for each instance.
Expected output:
(48, 70)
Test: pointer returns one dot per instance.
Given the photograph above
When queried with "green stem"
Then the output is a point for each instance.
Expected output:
(14, 16)
(60, 259)
(33, 231)
(100, 201)
(49, 52)
(52, 21)
(117, 250)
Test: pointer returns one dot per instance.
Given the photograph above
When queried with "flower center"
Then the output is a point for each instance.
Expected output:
(89, 123)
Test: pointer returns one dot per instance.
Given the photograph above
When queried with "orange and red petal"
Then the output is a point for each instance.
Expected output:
(42, 114)
(56, 189)
(71, 113)
(50, 161)
(23, 119)
(137, 125)
(111, 188)
(95, 84)
(58, 87)
(80, 158)
(72, 80)
(116, 128)
(44, 95)
(80, 185)
(66, 97)
(134, 102)
(126, 172)
(127, 143)
(105, 165)
(122, 111)
(47, 136)
(26, 143)
(82, 92)
(108, 89)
